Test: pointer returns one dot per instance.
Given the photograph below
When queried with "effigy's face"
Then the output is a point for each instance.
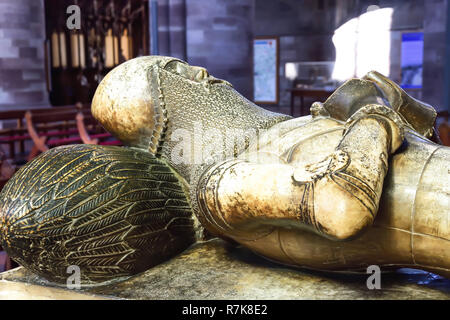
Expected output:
(192, 73)
(153, 103)
(132, 101)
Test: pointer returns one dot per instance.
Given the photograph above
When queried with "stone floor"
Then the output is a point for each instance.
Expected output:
(216, 270)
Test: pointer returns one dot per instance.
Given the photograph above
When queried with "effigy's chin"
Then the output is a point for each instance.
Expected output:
(105, 213)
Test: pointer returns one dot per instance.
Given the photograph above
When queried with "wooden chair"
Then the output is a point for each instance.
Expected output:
(18, 134)
(48, 130)
(91, 132)
(14, 136)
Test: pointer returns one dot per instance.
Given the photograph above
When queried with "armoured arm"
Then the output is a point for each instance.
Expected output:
(337, 197)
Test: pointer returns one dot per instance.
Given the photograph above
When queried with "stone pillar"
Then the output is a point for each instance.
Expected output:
(447, 61)
(220, 38)
(172, 28)
(435, 22)
(22, 62)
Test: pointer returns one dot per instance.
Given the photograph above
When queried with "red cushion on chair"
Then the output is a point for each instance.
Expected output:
(14, 138)
(100, 135)
(59, 133)
(111, 143)
(58, 142)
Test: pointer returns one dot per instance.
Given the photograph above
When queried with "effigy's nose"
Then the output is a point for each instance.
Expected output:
(201, 73)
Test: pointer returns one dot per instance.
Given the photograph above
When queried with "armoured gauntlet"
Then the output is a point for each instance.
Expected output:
(336, 197)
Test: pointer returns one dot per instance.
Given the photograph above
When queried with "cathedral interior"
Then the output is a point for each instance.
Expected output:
(282, 55)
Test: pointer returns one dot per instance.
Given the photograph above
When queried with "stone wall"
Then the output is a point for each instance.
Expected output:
(303, 35)
(172, 28)
(22, 65)
(435, 22)
(447, 62)
(220, 38)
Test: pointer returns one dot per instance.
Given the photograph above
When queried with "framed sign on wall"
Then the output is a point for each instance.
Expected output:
(265, 70)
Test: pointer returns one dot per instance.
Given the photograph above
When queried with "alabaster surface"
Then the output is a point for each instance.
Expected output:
(361, 181)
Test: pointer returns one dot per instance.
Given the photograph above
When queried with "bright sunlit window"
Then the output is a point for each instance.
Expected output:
(363, 44)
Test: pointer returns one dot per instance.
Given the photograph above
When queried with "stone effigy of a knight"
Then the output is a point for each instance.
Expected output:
(356, 183)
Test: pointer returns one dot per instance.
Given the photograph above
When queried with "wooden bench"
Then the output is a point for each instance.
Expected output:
(91, 132)
(51, 129)
(18, 134)
(15, 135)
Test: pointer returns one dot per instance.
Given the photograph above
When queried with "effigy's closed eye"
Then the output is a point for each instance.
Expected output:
(184, 70)
(193, 73)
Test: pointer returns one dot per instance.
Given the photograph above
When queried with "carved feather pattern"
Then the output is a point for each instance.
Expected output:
(111, 211)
